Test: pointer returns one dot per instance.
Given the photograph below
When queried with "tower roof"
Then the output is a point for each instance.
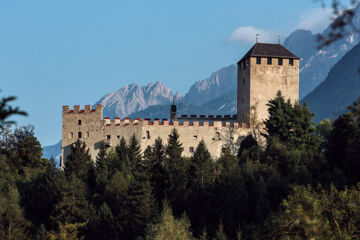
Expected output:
(268, 50)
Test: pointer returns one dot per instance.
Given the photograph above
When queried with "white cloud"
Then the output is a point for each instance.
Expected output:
(316, 20)
(248, 34)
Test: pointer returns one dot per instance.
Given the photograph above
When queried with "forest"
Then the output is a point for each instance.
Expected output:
(301, 182)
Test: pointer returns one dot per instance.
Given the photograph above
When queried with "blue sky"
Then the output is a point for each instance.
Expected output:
(55, 53)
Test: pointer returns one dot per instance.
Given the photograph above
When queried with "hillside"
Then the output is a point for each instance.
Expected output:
(315, 64)
(340, 88)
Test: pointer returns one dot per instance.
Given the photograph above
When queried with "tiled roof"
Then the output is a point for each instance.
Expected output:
(268, 50)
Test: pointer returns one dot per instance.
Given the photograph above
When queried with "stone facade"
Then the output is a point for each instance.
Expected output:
(89, 126)
(258, 81)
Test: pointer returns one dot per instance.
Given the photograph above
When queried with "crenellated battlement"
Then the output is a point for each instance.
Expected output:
(87, 109)
(165, 122)
(208, 117)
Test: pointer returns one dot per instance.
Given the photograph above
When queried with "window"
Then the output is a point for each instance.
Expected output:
(108, 137)
(217, 136)
(223, 150)
(269, 61)
(148, 134)
(280, 61)
(79, 122)
(118, 136)
(79, 135)
(258, 60)
(88, 134)
(195, 136)
(71, 134)
(243, 81)
(191, 149)
(291, 62)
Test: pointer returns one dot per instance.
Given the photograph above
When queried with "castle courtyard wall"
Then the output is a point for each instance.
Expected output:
(95, 129)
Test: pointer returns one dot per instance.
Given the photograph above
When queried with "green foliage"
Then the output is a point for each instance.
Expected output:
(290, 124)
(246, 144)
(169, 227)
(201, 168)
(320, 214)
(177, 168)
(120, 196)
(342, 151)
(68, 231)
(13, 225)
(155, 158)
(220, 235)
(6, 111)
(78, 162)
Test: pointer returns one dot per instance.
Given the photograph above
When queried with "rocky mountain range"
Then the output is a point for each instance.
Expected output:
(340, 88)
(315, 63)
(133, 98)
(217, 94)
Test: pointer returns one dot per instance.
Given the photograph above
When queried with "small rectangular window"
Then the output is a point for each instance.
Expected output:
(79, 122)
(269, 61)
(191, 149)
(223, 150)
(118, 136)
(148, 134)
(88, 134)
(71, 134)
(79, 135)
(280, 61)
(108, 137)
(258, 60)
(195, 136)
(291, 62)
(217, 136)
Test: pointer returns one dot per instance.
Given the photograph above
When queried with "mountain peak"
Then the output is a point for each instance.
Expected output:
(133, 97)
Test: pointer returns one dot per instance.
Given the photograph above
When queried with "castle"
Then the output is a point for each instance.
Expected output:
(264, 70)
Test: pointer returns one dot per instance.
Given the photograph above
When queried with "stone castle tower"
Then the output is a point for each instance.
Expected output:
(264, 70)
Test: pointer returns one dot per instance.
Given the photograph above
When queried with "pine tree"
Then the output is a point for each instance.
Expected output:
(176, 168)
(220, 235)
(141, 203)
(73, 206)
(201, 169)
(169, 227)
(79, 161)
(134, 152)
(246, 144)
(290, 124)
(227, 161)
(122, 162)
(158, 173)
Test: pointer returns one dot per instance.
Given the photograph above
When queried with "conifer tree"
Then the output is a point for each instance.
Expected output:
(158, 173)
(13, 224)
(246, 144)
(176, 168)
(169, 227)
(141, 201)
(134, 152)
(79, 161)
(201, 169)
(227, 161)
(290, 124)
(122, 162)
(220, 235)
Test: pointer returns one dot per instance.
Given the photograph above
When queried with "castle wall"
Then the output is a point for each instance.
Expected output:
(95, 129)
(243, 91)
(266, 80)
